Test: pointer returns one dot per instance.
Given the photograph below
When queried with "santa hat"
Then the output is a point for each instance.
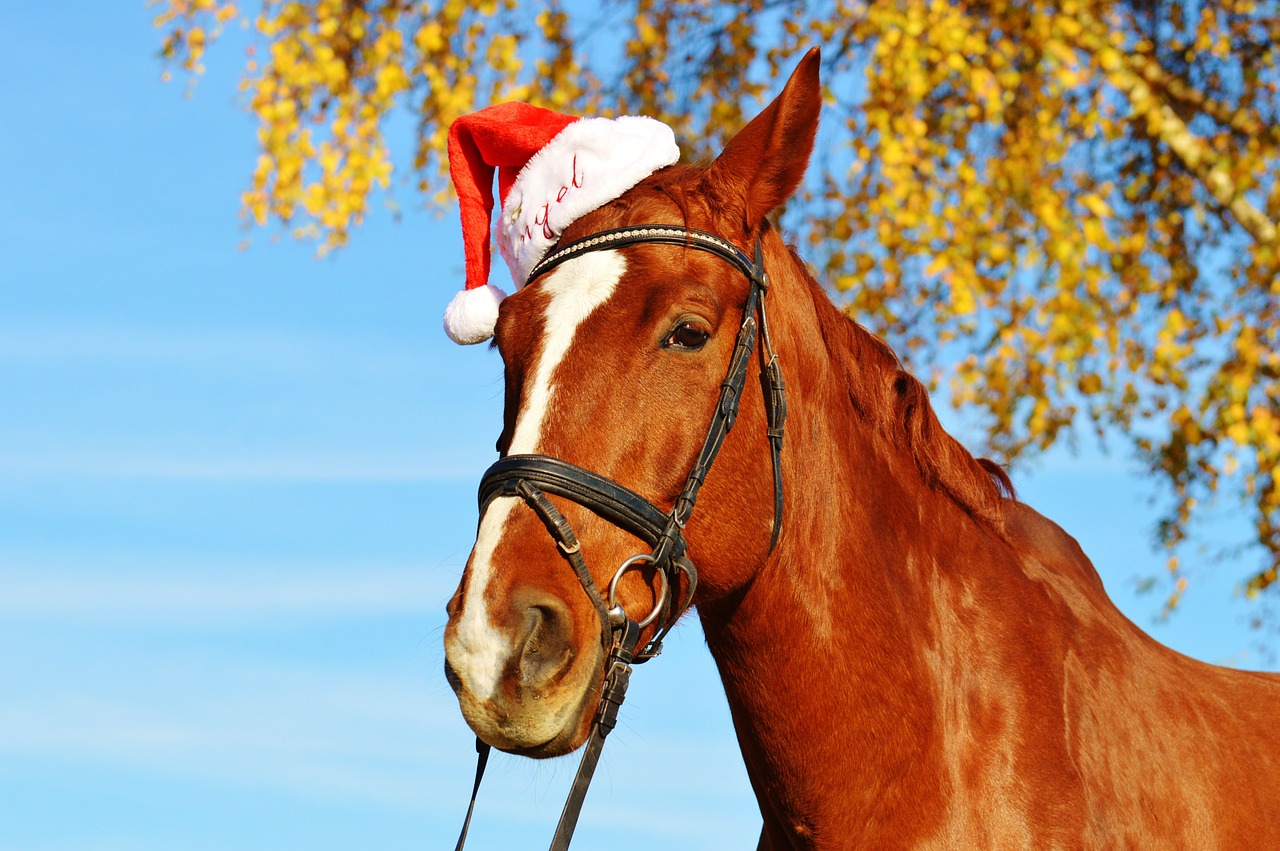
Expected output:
(552, 169)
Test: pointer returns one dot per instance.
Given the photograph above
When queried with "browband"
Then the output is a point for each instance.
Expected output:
(650, 235)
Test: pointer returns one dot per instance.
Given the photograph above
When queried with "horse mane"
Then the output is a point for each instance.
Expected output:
(885, 394)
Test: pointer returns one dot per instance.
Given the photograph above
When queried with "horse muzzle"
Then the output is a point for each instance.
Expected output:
(533, 693)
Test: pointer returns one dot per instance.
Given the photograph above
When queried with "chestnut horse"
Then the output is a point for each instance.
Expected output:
(920, 660)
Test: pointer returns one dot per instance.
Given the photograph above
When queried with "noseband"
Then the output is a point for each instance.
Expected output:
(531, 477)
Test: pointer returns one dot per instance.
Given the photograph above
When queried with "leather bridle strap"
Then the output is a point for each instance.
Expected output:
(626, 509)
(482, 750)
(567, 543)
(617, 678)
(731, 388)
(651, 235)
(528, 476)
(613, 502)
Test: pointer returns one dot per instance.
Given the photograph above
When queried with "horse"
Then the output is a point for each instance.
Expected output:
(912, 657)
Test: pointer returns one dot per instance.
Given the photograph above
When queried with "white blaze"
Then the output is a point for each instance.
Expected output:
(576, 289)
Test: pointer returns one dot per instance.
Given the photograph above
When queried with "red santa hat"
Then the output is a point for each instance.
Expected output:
(552, 169)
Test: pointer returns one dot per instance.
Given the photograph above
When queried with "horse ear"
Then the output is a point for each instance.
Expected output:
(762, 165)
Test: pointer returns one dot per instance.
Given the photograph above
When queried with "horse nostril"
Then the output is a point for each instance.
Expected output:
(547, 648)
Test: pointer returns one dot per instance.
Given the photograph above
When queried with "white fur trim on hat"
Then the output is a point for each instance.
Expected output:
(472, 315)
(588, 163)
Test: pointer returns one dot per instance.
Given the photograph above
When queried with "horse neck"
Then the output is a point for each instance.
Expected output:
(832, 647)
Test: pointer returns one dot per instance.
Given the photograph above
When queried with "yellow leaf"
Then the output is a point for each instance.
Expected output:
(1096, 205)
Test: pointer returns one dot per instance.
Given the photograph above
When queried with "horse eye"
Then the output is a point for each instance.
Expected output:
(686, 335)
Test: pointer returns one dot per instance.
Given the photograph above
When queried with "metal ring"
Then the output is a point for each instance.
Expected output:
(662, 597)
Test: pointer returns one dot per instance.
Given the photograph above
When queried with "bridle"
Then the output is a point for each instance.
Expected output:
(532, 477)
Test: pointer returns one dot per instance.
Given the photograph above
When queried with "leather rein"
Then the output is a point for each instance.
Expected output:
(531, 477)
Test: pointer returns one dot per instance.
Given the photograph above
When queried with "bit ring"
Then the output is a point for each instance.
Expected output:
(631, 564)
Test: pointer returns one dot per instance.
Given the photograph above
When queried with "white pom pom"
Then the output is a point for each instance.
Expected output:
(472, 314)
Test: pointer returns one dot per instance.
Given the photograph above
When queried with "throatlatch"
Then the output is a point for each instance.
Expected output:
(531, 477)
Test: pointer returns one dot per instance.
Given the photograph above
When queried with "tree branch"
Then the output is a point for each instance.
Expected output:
(1128, 73)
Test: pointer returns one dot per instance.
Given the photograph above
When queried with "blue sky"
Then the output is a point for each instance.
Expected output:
(236, 488)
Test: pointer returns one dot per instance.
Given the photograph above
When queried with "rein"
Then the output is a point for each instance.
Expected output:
(531, 477)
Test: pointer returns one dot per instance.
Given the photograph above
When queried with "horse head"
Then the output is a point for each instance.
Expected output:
(614, 362)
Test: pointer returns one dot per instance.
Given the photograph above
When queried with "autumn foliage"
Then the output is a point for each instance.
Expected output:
(1072, 206)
